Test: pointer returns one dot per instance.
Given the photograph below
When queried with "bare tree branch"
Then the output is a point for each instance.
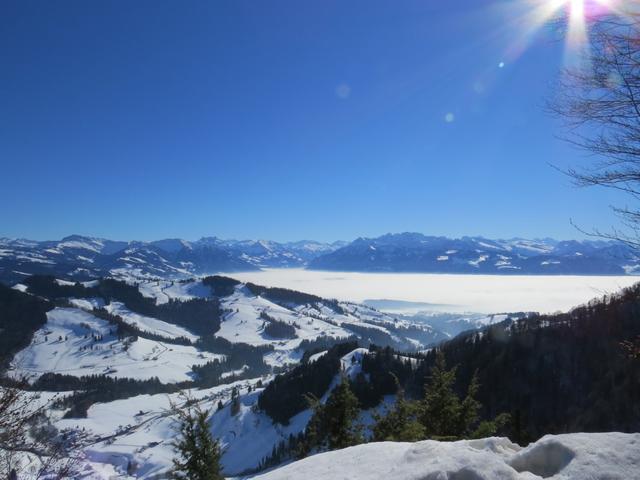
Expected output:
(600, 110)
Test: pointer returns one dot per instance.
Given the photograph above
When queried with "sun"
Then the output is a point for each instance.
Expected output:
(575, 14)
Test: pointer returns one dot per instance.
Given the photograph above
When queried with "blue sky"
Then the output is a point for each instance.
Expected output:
(283, 120)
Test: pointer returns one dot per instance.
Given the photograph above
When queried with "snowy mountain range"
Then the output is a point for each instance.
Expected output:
(79, 258)
(414, 252)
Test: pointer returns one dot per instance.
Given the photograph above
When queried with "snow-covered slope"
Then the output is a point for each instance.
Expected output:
(74, 342)
(139, 430)
(244, 322)
(580, 456)
(136, 434)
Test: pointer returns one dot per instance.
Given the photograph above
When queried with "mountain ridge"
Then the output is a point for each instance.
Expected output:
(78, 257)
(418, 253)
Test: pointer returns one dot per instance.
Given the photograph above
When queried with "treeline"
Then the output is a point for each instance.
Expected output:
(99, 388)
(238, 353)
(553, 373)
(284, 296)
(439, 414)
(220, 286)
(322, 343)
(20, 316)
(277, 328)
(198, 315)
(213, 372)
(127, 330)
(558, 373)
(286, 395)
(238, 356)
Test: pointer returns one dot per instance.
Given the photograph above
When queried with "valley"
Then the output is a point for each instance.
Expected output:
(117, 357)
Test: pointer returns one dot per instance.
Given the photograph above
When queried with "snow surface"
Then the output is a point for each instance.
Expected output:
(579, 456)
(20, 287)
(87, 303)
(149, 324)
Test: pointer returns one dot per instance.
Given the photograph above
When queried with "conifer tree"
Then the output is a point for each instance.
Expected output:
(400, 423)
(469, 409)
(340, 416)
(315, 433)
(235, 402)
(197, 452)
(332, 425)
(441, 407)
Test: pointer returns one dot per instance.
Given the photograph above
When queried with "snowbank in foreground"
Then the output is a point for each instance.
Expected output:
(579, 456)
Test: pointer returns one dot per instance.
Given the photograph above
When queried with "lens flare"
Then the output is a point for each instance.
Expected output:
(574, 15)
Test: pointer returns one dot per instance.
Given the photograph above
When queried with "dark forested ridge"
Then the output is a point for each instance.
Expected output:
(20, 316)
(220, 286)
(286, 395)
(558, 373)
(552, 373)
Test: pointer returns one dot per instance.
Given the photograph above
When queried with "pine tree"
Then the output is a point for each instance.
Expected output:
(469, 409)
(340, 414)
(400, 423)
(441, 406)
(315, 432)
(235, 402)
(198, 453)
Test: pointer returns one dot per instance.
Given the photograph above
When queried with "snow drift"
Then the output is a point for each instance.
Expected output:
(579, 456)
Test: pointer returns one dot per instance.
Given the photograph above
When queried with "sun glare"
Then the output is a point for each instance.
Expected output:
(577, 15)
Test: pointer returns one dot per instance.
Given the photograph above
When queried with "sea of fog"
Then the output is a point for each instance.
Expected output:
(412, 292)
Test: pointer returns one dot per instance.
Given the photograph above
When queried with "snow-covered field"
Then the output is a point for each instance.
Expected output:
(579, 456)
(447, 293)
(148, 324)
